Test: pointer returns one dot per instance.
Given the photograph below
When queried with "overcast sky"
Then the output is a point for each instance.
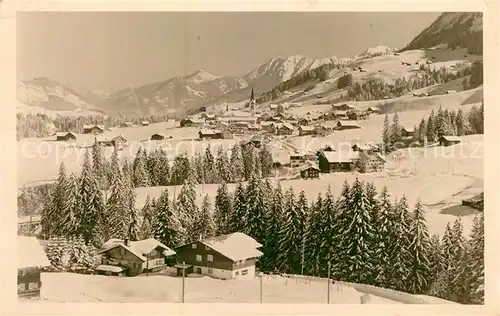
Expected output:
(109, 51)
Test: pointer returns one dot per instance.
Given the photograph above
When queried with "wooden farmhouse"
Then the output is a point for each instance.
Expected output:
(448, 140)
(93, 129)
(343, 107)
(334, 161)
(284, 129)
(126, 124)
(232, 256)
(192, 122)
(157, 136)
(30, 262)
(373, 110)
(309, 172)
(340, 114)
(407, 131)
(307, 130)
(131, 258)
(342, 125)
(145, 123)
(65, 136)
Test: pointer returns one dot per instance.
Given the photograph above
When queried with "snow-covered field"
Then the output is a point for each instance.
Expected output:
(75, 288)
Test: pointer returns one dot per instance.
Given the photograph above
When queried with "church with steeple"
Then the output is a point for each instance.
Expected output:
(251, 103)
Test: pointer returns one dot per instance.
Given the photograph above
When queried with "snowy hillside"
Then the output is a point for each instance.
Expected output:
(375, 51)
(43, 94)
(454, 29)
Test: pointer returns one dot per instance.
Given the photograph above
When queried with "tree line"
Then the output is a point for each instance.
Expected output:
(430, 129)
(42, 125)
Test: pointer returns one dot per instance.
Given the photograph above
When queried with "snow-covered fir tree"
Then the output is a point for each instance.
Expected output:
(431, 128)
(312, 237)
(222, 165)
(147, 214)
(188, 209)
(141, 175)
(460, 123)
(248, 160)
(91, 206)
(199, 167)
(291, 234)
(384, 237)
(163, 165)
(330, 239)
(237, 219)
(180, 169)
(419, 279)
(70, 220)
(255, 209)
(237, 164)
(357, 236)
(386, 135)
(222, 210)
(273, 224)
(266, 161)
(209, 166)
(117, 217)
(396, 136)
(99, 165)
(167, 227)
(422, 132)
(206, 218)
(475, 265)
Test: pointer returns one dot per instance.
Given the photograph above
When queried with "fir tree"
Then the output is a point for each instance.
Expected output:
(255, 208)
(237, 220)
(386, 135)
(116, 211)
(248, 160)
(180, 169)
(167, 225)
(70, 206)
(396, 136)
(90, 202)
(436, 261)
(237, 164)
(141, 175)
(422, 132)
(460, 123)
(475, 265)
(206, 218)
(99, 165)
(358, 235)
(146, 230)
(188, 209)
(115, 166)
(266, 161)
(312, 237)
(273, 224)
(384, 238)
(223, 210)
(291, 236)
(199, 166)
(419, 251)
(431, 128)
(163, 166)
(257, 169)
(222, 165)
(209, 163)
(331, 228)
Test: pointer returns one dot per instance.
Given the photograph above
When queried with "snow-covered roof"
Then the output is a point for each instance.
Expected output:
(209, 131)
(31, 253)
(92, 126)
(105, 267)
(286, 125)
(60, 134)
(307, 128)
(237, 118)
(451, 138)
(340, 112)
(348, 123)
(340, 156)
(139, 248)
(280, 156)
(308, 166)
(235, 246)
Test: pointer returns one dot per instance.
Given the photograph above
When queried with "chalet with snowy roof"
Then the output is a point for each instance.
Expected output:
(371, 162)
(30, 262)
(343, 107)
(339, 114)
(448, 140)
(93, 129)
(210, 134)
(307, 130)
(284, 129)
(117, 141)
(268, 126)
(192, 122)
(65, 136)
(131, 258)
(232, 256)
(309, 172)
(325, 148)
(296, 159)
(407, 131)
(373, 110)
(304, 121)
(334, 161)
(365, 147)
(157, 136)
(342, 125)
(145, 123)
(126, 124)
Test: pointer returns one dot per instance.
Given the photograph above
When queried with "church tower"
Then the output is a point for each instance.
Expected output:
(251, 104)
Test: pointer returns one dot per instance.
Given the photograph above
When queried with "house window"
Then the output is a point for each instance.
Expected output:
(244, 272)
(193, 246)
(210, 258)
(33, 286)
(210, 271)
(198, 257)
(21, 287)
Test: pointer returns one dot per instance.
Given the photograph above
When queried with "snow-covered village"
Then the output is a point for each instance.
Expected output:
(291, 175)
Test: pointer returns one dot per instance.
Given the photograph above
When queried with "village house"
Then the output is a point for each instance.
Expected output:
(307, 130)
(281, 158)
(130, 258)
(373, 110)
(326, 148)
(31, 259)
(448, 140)
(296, 159)
(304, 121)
(192, 122)
(370, 162)
(365, 147)
(232, 256)
(342, 125)
(145, 123)
(257, 140)
(210, 134)
(208, 116)
(343, 107)
(232, 120)
(126, 124)
(157, 136)
(117, 141)
(309, 172)
(284, 129)
(93, 129)
(254, 127)
(268, 126)
(334, 161)
(65, 136)
(407, 131)
(340, 114)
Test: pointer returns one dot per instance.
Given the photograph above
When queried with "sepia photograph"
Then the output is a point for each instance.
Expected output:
(250, 157)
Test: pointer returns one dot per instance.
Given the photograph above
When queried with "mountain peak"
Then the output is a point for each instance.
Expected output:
(201, 75)
(377, 50)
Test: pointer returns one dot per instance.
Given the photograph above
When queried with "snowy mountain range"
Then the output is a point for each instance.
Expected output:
(375, 51)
